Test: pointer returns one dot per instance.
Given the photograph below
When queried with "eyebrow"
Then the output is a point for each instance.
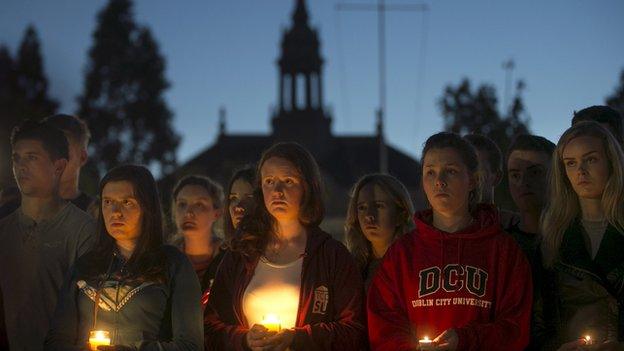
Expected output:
(530, 167)
(584, 155)
(446, 164)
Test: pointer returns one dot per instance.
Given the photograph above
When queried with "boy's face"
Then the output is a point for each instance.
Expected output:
(35, 172)
(527, 172)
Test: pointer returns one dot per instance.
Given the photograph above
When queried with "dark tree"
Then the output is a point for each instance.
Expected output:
(23, 94)
(32, 84)
(475, 111)
(123, 99)
(617, 99)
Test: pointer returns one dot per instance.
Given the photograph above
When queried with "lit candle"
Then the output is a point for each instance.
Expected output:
(97, 338)
(588, 340)
(272, 322)
(426, 344)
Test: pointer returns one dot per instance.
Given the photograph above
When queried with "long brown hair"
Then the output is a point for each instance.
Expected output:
(563, 205)
(148, 261)
(357, 243)
(255, 230)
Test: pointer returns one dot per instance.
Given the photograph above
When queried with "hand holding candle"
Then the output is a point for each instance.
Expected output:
(272, 323)
(426, 344)
(97, 338)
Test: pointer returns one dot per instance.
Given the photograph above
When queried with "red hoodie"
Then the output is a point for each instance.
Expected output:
(476, 281)
(331, 302)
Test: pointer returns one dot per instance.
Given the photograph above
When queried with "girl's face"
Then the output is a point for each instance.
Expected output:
(447, 181)
(194, 210)
(282, 188)
(121, 210)
(587, 166)
(240, 199)
(377, 214)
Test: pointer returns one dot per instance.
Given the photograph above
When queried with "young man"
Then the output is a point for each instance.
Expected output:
(606, 116)
(528, 163)
(77, 133)
(491, 169)
(42, 238)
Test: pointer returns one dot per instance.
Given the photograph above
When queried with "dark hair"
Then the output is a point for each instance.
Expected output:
(73, 126)
(602, 114)
(52, 139)
(529, 142)
(213, 188)
(485, 144)
(465, 149)
(255, 230)
(246, 173)
(148, 261)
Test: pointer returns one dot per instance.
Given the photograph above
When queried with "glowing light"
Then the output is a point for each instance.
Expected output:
(272, 322)
(97, 338)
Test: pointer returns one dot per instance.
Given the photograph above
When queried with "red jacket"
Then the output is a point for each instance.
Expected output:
(331, 304)
(476, 281)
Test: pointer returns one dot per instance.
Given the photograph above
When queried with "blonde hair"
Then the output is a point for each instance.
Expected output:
(356, 242)
(563, 204)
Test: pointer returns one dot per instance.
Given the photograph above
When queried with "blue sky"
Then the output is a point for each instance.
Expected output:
(223, 53)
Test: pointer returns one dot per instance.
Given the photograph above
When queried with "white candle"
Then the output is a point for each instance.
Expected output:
(272, 322)
(426, 344)
(97, 338)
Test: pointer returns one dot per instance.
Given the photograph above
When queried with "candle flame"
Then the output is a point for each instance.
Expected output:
(99, 334)
(271, 318)
(587, 337)
(426, 338)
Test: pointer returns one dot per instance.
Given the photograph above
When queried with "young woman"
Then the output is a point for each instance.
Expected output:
(583, 228)
(144, 293)
(283, 270)
(457, 278)
(239, 199)
(380, 210)
(197, 205)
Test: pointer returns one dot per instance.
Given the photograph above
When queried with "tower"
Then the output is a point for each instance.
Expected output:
(300, 115)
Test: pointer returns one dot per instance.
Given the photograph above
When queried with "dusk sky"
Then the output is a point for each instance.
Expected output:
(222, 53)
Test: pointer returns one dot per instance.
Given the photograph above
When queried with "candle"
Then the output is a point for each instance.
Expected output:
(588, 340)
(97, 338)
(426, 344)
(272, 322)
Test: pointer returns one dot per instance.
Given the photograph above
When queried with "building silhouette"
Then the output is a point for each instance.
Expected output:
(301, 116)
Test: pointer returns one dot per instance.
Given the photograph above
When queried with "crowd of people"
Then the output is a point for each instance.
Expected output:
(248, 266)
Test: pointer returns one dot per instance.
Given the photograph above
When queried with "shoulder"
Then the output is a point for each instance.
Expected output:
(173, 254)
(9, 221)
(76, 217)
(323, 241)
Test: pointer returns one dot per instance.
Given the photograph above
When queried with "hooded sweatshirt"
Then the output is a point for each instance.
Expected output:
(476, 281)
(331, 302)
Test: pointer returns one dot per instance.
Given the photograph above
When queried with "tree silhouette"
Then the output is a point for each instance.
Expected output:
(122, 98)
(23, 94)
(616, 100)
(465, 110)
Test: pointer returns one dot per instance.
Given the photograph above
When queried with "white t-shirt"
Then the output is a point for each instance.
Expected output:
(273, 290)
